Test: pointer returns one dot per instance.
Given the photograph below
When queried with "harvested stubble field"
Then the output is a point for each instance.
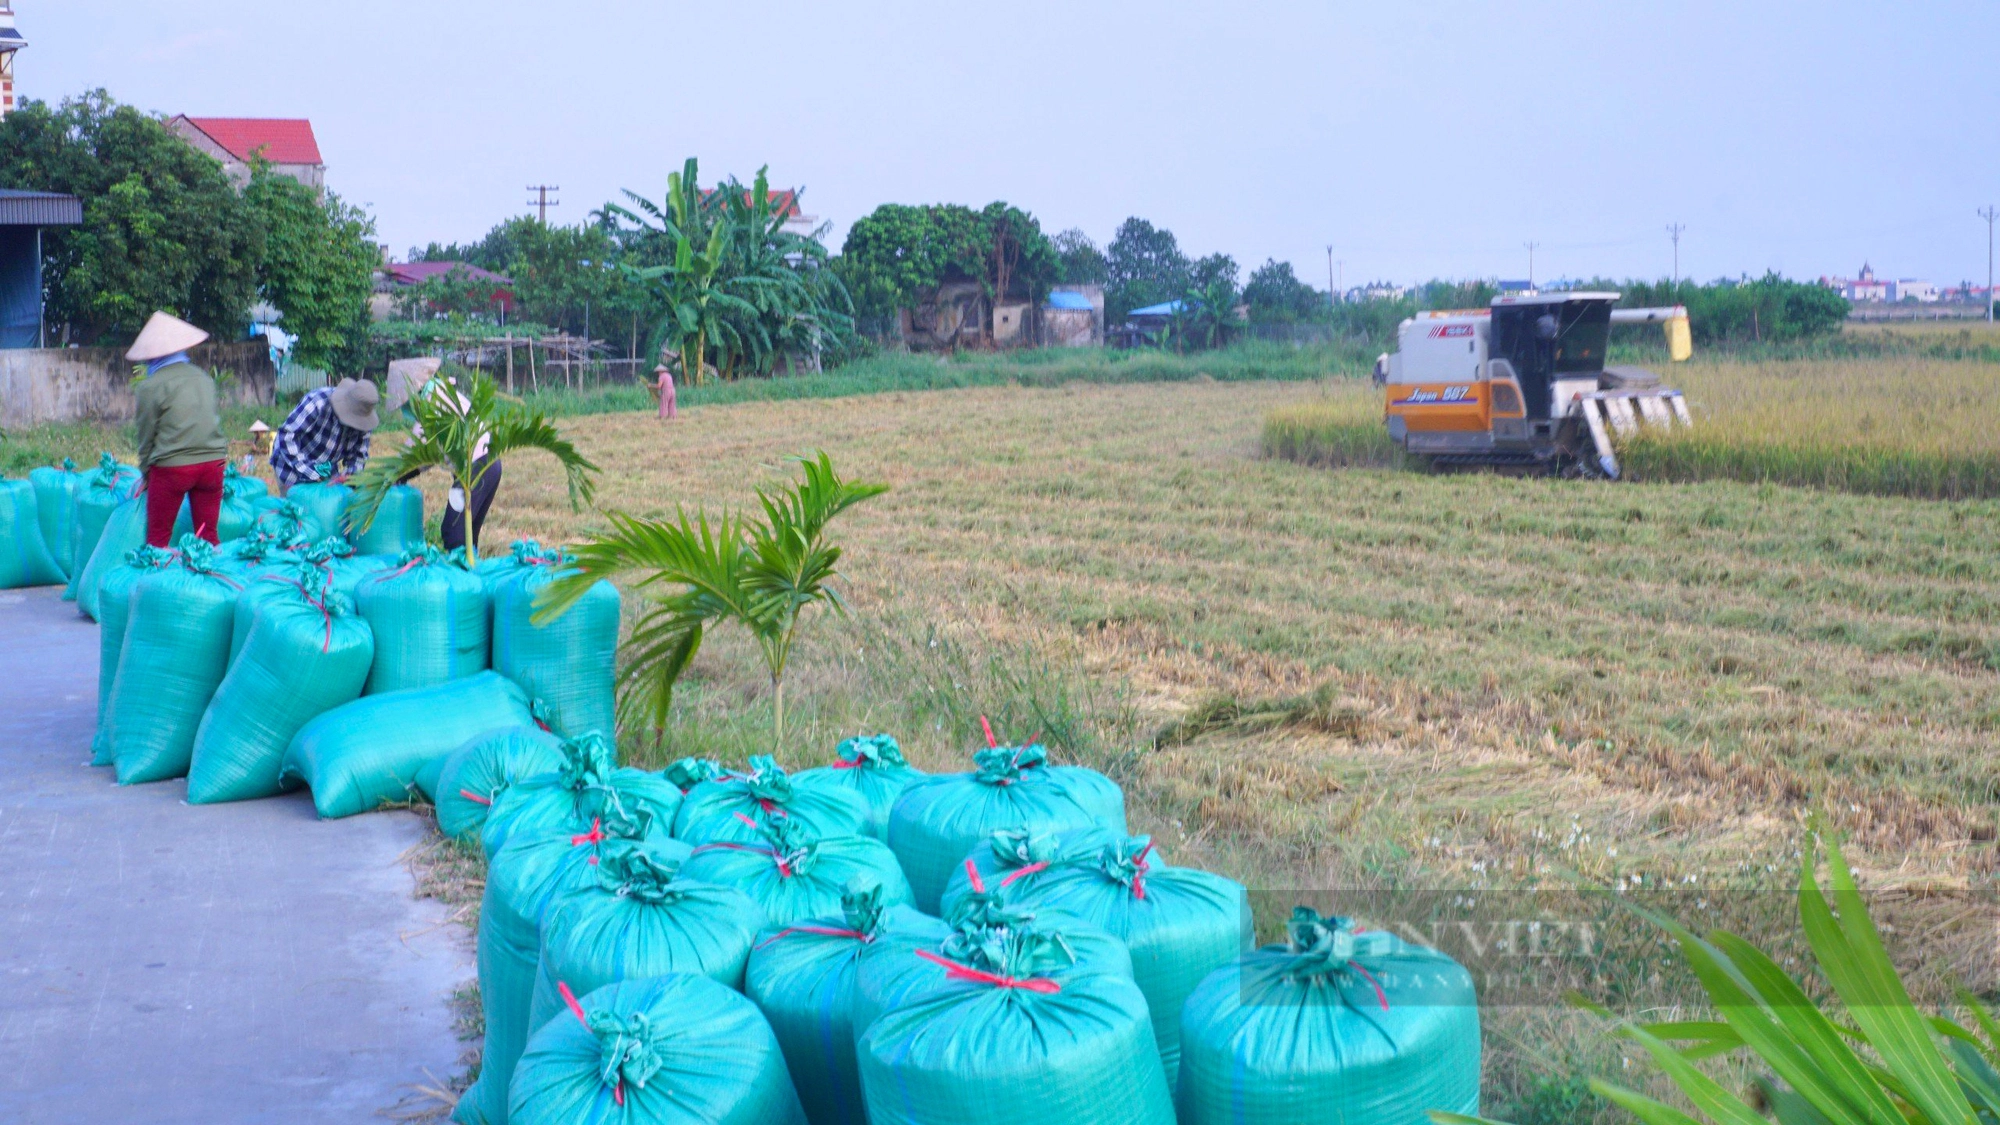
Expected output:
(1371, 678)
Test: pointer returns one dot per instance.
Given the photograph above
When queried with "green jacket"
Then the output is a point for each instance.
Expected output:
(178, 421)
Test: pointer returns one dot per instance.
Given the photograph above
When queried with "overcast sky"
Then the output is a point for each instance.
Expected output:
(1418, 140)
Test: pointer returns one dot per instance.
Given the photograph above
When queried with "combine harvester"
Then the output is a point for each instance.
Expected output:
(1523, 384)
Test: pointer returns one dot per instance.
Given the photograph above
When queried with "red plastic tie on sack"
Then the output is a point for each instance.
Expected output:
(471, 796)
(1023, 872)
(824, 931)
(955, 971)
(594, 836)
(618, 1091)
(1140, 867)
(784, 868)
(1380, 996)
(972, 873)
(991, 742)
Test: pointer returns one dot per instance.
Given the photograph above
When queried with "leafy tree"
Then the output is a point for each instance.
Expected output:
(1772, 308)
(896, 256)
(456, 295)
(163, 228)
(450, 437)
(760, 573)
(1019, 258)
(318, 269)
(1079, 260)
(1207, 316)
(1215, 267)
(802, 309)
(559, 272)
(1276, 295)
(1145, 267)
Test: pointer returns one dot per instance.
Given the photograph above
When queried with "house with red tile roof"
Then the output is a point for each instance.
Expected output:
(286, 144)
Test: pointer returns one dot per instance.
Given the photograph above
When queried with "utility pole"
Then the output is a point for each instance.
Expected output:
(1674, 232)
(541, 203)
(1332, 292)
(1531, 262)
(1988, 215)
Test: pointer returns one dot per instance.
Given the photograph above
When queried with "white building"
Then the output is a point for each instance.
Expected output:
(10, 42)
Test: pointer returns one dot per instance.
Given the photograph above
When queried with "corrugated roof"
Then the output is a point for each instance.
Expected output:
(39, 209)
(1164, 308)
(280, 140)
(1070, 301)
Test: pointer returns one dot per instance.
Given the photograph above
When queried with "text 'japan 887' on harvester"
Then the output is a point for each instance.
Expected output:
(1523, 383)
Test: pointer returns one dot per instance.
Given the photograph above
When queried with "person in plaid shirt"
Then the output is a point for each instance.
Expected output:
(329, 426)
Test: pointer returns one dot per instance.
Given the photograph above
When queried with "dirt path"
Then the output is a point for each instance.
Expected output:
(165, 963)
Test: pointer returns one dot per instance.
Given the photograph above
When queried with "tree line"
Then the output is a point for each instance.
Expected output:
(720, 273)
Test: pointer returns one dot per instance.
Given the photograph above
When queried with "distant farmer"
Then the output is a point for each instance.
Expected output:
(665, 375)
(329, 426)
(181, 447)
(411, 379)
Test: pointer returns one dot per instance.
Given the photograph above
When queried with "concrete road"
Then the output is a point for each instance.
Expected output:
(166, 963)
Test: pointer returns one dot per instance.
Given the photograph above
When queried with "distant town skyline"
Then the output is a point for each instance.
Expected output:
(1419, 145)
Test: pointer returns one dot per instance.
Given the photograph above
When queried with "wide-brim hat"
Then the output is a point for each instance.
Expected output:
(354, 402)
(163, 336)
(407, 377)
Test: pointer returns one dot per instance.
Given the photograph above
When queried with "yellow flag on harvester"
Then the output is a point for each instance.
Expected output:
(1680, 339)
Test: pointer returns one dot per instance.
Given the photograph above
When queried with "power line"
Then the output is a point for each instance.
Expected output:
(1332, 294)
(1674, 232)
(1988, 215)
(541, 203)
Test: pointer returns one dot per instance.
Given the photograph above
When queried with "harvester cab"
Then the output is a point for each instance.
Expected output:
(1523, 383)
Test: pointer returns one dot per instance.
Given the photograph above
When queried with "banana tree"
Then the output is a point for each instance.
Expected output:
(451, 424)
(696, 574)
(700, 312)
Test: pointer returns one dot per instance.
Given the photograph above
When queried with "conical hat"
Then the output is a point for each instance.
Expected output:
(163, 336)
(407, 377)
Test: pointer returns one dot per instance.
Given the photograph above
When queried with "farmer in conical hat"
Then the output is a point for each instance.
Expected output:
(181, 447)
(329, 426)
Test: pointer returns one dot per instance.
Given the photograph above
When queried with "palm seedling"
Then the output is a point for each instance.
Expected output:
(1877, 1059)
(449, 438)
(761, 573)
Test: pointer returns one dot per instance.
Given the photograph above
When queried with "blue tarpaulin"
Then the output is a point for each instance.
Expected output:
(1164, 308)
(1076, 301)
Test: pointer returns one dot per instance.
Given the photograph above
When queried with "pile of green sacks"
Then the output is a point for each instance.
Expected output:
(712, 944)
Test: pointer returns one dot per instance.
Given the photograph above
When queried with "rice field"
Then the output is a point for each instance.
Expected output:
(1337, 683)
(1911, 427)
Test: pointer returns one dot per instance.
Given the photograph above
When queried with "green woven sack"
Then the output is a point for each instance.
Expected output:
(324, 505)
(1334, 1025)
(573, 797)
(282, 522)
(802, 978)
(114, 601)
(1179, 923)
(366, 754)
(284, 575)
(471, 778)
(522, 882)
(570, 664)
(305, 655)
(887, 978)
(641, 919)
(521, 556)
(794, 876)
(238, 486)
(1014, 860)
(56, 490)
(99, 494)
(1017, 1033)
(398, 525)
(874, 769)
(940, 820)
(679, 1050)
(430, 616)
(24, 556)
(175, 652)
(124, 532)
(686, 773)
(735, 807)
(347, 569)
(235, 517)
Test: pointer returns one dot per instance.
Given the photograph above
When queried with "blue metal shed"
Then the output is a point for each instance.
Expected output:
(23, 214)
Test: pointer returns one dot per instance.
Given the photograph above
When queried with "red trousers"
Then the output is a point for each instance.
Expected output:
(166, 485)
